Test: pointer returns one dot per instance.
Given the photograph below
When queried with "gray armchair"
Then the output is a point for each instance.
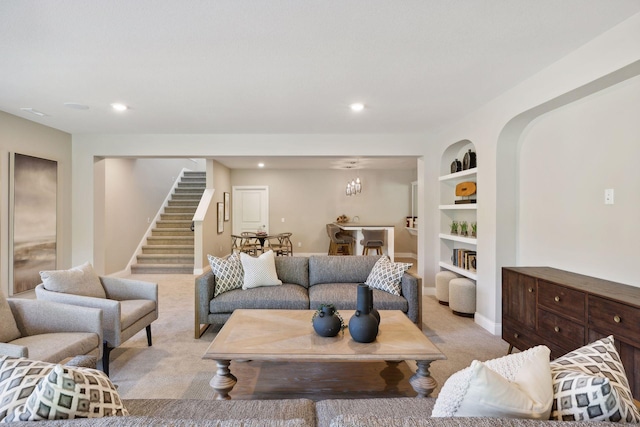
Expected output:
(129, 306)
(49, 331)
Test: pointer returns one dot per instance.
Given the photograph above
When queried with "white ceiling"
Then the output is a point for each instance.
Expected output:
(280, 66)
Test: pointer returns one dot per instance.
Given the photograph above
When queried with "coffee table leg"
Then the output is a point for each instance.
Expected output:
(422, 381)
(224, 380)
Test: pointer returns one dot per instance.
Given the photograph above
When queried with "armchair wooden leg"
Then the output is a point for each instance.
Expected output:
(148, 328)
(106, 350)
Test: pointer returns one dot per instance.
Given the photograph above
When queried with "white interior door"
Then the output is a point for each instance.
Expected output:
(250, 207)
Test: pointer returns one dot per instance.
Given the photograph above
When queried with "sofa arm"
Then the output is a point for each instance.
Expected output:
(13, 350)
(120, 289)
(35, 317)
(111, 313)
(410, 291)
(205, 286)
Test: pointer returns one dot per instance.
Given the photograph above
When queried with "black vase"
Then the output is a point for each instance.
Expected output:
(374, 312)
(363, 326)
(327, 323)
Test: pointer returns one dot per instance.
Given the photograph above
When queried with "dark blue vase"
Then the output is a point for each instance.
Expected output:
(363, 326)
(374, 312)
(326, 323)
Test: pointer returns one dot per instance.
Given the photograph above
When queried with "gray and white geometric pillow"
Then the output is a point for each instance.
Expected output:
(228, 272)
(599, 359)
(18, 379)
(583, 397)
(386, 275)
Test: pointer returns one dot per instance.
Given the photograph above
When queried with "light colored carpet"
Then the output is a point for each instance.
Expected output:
(173, 367)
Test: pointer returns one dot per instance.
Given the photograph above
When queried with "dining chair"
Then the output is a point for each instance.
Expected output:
(373, 239)
(249, 243)
(340, 242)
(281, 244)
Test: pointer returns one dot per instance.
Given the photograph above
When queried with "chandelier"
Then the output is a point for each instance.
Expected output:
(354, 187)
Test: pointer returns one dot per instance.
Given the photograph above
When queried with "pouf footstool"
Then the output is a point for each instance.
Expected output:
(462, 297)
(442, 286)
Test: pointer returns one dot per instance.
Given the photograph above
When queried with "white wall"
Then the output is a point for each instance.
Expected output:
(568, 158)
(22, 136)
(309, 199)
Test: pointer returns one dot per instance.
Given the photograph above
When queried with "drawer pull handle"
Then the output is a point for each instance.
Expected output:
(530, 290)
(556, 299)
(557, 329)
(617, 319)
(516, 335)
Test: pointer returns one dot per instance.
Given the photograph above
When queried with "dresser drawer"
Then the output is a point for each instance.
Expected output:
(561, 299)
(520, 337)
(615, 318)
(559, 330)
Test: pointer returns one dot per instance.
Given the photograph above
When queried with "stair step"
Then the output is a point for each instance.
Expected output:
(192, 184)
(162, 269)
(184, 202)
(167, 249)
(195, 180)
(180, 216)
(181, 209)
(186, 232)
(186, 196)
(165, 259)
(170, 240)
(195, 173)
(183, 225)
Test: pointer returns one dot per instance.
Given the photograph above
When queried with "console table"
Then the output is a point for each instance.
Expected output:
(564, 311)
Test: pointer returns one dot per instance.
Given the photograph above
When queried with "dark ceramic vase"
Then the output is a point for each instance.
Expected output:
(374, 312)
(327, 323)
(363, 326)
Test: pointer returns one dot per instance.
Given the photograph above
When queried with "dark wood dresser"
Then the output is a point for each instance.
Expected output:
(564, 311)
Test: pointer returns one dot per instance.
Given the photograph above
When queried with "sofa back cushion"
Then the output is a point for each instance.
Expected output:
(293, 269)
(9, 330)
(340, 269)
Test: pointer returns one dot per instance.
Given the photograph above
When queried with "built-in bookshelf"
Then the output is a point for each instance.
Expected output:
(457, 251)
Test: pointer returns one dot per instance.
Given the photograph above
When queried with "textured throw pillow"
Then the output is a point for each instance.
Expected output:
(81, 280)
(18, 379)
(68, 393)
(228, 272)
(385, 275)
(514, 386)
(9, 330)
(260, 271)
(579, 393)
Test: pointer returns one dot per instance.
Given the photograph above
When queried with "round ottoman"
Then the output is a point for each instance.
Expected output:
(462, 296)
(442, 286)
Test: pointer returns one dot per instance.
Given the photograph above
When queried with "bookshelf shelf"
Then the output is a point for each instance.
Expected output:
(461, 271)
(454, 238)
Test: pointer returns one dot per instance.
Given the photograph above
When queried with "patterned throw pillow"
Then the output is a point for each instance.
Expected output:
(18, 379)
(385, 275)
(67, 393)
(578, 397)
(228, 272)
(260, 271)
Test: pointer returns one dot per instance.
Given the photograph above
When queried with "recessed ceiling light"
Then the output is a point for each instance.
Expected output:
(32, 111)
(76, 105)
(357, 107)
(119, 107)
(260, 165)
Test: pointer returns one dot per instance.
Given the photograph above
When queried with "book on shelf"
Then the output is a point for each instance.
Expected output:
(464, 258)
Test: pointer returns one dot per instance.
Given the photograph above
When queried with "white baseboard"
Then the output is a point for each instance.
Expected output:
(492, 327)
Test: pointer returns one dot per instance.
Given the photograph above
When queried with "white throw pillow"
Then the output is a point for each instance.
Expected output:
(260, 271)
(514, 386)
(386, 275)
(81, 280)
(9, 330)
(228, 272)
(578, 397)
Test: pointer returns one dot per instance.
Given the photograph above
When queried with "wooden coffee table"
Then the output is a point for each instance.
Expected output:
(287, 335)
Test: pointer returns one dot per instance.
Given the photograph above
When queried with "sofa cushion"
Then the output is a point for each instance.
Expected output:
(80, 280)
(260, 271)
(386, 275)
(344, 295)
(514, 386)
(68, 393)
(329, 410)
(340, 269)
(287, 296)
(58, 346)
(293, 269)
(132, 310)
(228, 272)
(598, 359)
(9, 330)
(18, 379)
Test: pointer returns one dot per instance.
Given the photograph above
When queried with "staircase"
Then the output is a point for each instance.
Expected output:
(169, 249)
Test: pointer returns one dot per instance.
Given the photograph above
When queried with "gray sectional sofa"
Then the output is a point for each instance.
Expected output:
(390, 412)
(307, 282)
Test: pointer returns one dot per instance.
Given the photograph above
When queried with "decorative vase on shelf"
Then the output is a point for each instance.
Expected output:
(363, 326)
(327, 321)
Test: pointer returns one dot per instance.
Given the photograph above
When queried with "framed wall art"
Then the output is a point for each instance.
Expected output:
(33, 219)
(227, 206)
(220, 218)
